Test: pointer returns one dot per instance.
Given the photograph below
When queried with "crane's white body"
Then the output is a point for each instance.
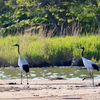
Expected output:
(21, 62)
(88, 64)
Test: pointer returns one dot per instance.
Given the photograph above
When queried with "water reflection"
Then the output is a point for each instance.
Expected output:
(47, 73)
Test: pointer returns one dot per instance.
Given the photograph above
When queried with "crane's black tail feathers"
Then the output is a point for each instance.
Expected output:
(26, 68)
(95, 67)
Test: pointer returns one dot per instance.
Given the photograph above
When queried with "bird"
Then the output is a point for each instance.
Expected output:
(90, 65)
(22, 63)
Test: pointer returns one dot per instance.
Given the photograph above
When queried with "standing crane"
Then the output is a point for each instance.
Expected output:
(90, 65)
(22, 63)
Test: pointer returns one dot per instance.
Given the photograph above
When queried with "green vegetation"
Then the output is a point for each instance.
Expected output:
(29, 22)
(71, 17)
(36, 49)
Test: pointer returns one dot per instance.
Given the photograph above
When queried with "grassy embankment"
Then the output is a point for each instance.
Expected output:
(37, 49)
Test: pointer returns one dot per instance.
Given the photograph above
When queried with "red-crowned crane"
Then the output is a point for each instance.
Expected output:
(22, 63)
(90, 65)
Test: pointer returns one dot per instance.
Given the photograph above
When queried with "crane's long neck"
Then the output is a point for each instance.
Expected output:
(82, 52)
(18, 50)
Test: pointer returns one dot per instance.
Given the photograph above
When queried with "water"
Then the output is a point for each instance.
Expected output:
(47, 73)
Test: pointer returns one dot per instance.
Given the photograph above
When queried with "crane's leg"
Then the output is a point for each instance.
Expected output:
(92, 76)
(27, 78)
(21, 77)
(87, 77)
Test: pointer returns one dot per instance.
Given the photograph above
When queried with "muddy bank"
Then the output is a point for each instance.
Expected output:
(49, 90)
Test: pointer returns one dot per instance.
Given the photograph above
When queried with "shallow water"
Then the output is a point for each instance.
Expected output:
(47, 73)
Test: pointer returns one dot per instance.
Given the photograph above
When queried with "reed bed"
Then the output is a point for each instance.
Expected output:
(39, 49)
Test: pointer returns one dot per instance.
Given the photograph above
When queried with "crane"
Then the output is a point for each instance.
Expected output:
(22, 63)
(90, 65)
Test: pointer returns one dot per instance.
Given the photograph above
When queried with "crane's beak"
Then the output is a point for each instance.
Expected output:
(79, 48)
(15, 45)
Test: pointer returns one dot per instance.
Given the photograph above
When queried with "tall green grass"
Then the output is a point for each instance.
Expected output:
(38, 49)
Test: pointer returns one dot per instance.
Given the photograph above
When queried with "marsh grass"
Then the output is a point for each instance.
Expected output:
(39, 49)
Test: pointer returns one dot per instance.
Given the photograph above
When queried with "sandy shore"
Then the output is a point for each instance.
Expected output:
(49, 90)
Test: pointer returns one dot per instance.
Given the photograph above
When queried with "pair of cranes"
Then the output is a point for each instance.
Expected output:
(90, 65)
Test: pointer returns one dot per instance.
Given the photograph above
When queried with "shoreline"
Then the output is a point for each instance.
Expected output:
(49, 90)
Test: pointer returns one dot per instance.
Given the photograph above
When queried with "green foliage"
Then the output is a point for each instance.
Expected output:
(22, 13)
(91, 44)
(19, 13)
(36, 49)
(85, 13)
